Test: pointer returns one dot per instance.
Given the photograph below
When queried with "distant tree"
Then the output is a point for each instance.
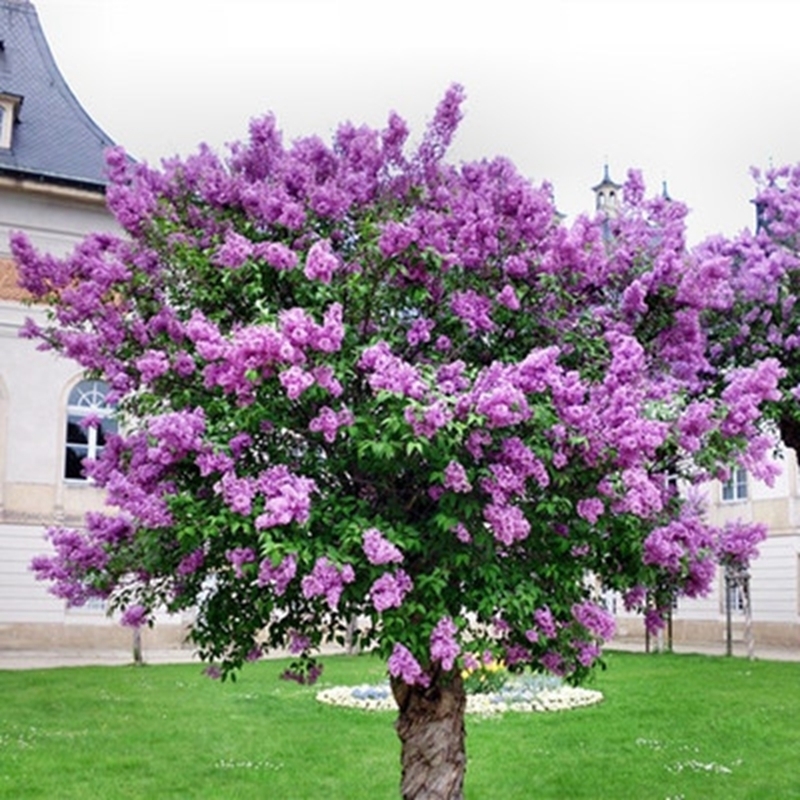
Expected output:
(749, 288)
(357, 382)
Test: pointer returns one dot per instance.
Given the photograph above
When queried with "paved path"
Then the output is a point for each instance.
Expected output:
(718, 649)
(38, 659)
(44, 659)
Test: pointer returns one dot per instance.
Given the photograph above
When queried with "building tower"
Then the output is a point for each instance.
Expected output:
(607, 195)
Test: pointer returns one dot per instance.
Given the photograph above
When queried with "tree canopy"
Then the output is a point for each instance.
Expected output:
(356, 381)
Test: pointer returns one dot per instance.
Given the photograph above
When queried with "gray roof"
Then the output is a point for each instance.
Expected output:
(54, 139)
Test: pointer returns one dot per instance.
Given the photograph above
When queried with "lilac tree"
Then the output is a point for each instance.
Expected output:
(752, 283)
(357, 381)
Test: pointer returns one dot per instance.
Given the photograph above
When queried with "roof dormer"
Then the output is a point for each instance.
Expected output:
(9, 115)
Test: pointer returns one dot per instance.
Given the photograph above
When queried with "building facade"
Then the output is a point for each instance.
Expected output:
(52, 188)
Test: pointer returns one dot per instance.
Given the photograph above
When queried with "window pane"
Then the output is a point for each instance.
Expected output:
(76, 434)
(73, 465)
(741, 484)
(107, 426)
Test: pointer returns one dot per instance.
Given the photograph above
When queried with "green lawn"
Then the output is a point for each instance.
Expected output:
(671, 726)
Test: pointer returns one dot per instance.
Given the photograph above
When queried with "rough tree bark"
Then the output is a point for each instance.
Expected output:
(432, 734)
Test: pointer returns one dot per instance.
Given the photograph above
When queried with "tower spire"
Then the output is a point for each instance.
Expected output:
(607, 194)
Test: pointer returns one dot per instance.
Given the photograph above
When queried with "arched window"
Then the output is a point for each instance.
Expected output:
(89, 421)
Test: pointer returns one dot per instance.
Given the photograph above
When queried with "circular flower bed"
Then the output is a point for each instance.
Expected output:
(530, 693)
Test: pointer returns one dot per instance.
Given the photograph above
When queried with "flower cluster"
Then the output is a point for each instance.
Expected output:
(327, 579)
(380, 550)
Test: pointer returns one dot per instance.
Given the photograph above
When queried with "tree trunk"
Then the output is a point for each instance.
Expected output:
(431, 730)
(137, 647)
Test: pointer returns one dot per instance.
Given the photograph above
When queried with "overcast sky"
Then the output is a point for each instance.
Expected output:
(693, 92)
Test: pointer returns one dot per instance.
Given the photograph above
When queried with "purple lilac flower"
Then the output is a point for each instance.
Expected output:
(328, 422)
(425, 422)
(462, 533)
(390, 590)
(553, 662)
(455, 478)
(471, 662)
(321, 262)
(152, 365)
(737, 543)
(503, 405)
(325, 378)
(308, 676)
(327, 338)
(234, 251)
(444, 647)
(254, 653)
(192, 562)
(443, 344)
(288, 497)
(208, 462)
(517, 654)
(476, 442)
(635, 599)
(327, 579)
(278, 576)
(588, 653)
(474, 309)
(595, 619)
(545, 622)
(295, 381)
(380, 550)
(508, 523)
(238, 493)
(239, 443)
(508, 298)
(298, 642)
(654, 620)
(420, 331)
(403, 665)
(134, 616)
(390, 373)
(396, 237)
(590, 508)
(178, 433)
(67, 569)
(239, 556)
(277, 255)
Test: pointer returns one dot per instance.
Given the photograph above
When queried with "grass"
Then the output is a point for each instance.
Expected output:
(671, 726)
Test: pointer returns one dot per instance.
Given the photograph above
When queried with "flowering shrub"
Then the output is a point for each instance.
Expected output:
(358, 381)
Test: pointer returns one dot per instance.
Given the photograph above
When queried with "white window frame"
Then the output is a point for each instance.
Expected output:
(736, 488)
(86, 399)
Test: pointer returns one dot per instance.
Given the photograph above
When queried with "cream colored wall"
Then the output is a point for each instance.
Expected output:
(775, 574)
(33, 390)
(55, 219)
